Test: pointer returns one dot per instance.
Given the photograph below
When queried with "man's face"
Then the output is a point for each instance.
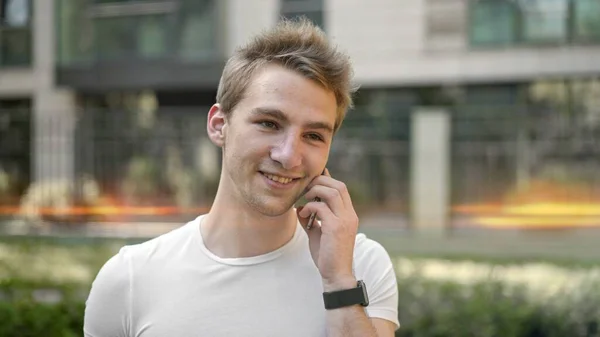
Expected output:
(277, 140)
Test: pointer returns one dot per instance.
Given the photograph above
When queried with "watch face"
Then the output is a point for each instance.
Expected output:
(362, 285)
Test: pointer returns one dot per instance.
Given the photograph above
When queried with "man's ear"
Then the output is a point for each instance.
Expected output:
(216, 125)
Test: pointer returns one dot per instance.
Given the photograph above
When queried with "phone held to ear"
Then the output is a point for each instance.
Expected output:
(312, 217)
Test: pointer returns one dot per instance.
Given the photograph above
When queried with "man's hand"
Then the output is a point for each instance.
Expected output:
(332, 241)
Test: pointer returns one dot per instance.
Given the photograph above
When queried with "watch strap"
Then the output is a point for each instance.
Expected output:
(347, 297)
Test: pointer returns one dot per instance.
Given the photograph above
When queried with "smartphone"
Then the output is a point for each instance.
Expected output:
(312, 217)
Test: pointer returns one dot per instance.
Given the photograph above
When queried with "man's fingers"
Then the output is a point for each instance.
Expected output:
(314, 233)
(303, 220)
(321, 210)
(327, 181)
(328, 195)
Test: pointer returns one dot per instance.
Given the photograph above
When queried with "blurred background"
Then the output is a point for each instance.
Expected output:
(472, 155)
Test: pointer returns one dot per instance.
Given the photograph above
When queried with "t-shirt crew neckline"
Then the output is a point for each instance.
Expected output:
(245, 261)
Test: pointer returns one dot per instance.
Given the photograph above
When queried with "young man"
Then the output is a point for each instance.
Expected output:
(251, 267)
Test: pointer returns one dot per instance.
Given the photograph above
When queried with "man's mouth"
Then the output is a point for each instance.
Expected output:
(279, 179)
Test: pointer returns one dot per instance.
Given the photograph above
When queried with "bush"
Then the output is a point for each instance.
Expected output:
(426, 309)
(24, 314)
(486, 309)
(30, 319)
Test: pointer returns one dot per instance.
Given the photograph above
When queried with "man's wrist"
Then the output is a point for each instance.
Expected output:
(339, 283)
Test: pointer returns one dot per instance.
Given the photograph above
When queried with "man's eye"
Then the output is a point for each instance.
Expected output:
(315, 136)
(269, 124)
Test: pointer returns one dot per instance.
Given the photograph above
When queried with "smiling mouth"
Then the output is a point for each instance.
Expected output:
(281, 180)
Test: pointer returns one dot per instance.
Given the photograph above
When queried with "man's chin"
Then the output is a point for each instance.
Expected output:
(274, 209)
(276, 212)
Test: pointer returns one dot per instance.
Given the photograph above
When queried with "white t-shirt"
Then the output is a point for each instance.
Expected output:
(174, 286)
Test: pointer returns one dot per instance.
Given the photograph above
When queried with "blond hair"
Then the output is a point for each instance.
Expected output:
(297, 45)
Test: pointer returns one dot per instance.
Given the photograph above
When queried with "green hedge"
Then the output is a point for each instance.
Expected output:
(485, 309)
(427, 309)
(23, 314)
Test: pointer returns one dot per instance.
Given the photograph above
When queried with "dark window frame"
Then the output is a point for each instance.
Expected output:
(291, 9)
(109, 17)
(17, 33)
(572, 33)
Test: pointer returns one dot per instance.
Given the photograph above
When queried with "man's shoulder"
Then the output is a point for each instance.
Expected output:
(369, 253)
(365, 245)
(375, 267)
(114, 278)
(162, 245)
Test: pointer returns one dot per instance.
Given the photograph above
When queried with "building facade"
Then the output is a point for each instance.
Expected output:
(516, 78)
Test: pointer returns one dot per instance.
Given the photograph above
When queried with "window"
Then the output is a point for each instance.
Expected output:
(545, 20)
(111, 1)
(126, 36)
(587, 20)
(537, 22)
(493, 23)
(122, 30)
(15, 13)
(311, 9)
(197, 29)
(15, 32)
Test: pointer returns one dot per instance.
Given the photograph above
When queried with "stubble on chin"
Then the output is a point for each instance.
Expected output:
(270, 205)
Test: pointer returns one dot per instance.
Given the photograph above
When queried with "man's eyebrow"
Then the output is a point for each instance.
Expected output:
(278, 114)
(275, 113)
(320, 125)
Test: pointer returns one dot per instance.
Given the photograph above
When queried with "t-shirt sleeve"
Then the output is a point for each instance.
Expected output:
(107, 309)
(374, 266)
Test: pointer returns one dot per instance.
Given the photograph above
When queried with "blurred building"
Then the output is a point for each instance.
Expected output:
(491, 65)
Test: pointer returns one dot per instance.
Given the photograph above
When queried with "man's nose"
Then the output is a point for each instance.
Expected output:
(287, 151)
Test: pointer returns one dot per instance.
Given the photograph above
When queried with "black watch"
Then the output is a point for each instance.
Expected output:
(347, 297)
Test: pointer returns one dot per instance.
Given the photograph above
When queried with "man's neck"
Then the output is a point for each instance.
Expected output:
(233, 231)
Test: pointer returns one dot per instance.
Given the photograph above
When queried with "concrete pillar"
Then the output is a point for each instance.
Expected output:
(430, 168)
(53, 108)
(54, 124)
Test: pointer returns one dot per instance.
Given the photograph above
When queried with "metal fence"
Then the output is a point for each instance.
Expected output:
(159, 166)
(511, 166)
(15, 157)
(147, 159)
(516, 166)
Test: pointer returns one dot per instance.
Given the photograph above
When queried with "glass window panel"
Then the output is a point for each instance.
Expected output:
(110, 1)
(152, 36)
(15, 13)
(315, 16)
(197, 29)
(114, 37)
(497, 94)
(545, 20)
(493, 23)
(73, 32)
(587, 20)
(311, 9)
(131, 36)
(15, 46)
